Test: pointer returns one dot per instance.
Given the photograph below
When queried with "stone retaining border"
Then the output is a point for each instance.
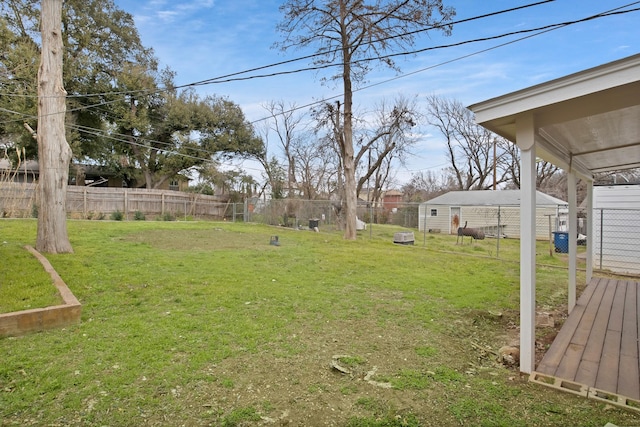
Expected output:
(40, 319)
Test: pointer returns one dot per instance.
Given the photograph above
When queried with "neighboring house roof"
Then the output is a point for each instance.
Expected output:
(364, 193)
(30, 165)
(392, 193)
(491, 197)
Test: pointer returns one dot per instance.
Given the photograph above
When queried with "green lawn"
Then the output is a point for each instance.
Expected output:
(23, 282)
(199, 323)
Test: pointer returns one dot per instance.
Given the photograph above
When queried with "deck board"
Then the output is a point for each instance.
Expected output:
(568, 367)
(554, 354)
(629, 355)
(598, 346)
(608, 369)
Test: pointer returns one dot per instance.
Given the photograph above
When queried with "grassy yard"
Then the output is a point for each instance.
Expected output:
(23, 282)
(196, 323)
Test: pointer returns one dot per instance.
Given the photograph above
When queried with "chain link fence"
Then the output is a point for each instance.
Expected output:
(616, 238)
(305, 213)
(294, 213)
(493, 220)
(615, 232)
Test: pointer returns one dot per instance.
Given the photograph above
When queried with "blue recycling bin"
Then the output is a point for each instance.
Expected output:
(561, 241)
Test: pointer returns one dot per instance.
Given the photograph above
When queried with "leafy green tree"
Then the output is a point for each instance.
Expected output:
(121, 111)
(173, 131)
(19, 58)
(100, 43)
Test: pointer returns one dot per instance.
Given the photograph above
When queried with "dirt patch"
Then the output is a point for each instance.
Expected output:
(295, 381)
(302, 388)
(215, 238)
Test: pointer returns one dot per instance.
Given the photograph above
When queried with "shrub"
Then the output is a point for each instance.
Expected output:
(138, 216)
(95, 215)
(167, 216)
(116, 216)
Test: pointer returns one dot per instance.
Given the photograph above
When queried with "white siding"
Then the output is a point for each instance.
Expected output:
(486, 219)
(616, 228)
(616, 197)
(440, 221)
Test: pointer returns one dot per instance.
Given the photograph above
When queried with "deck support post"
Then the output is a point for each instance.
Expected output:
(589, 233)
(525, 138)
(573, 233)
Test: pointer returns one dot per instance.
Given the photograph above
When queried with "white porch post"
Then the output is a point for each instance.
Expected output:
(525, 136)
(589, 228)
(573, 232)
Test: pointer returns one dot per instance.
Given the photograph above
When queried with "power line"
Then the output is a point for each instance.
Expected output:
(433, 27)
(540, 30)
(119, 137)
(413, 52)
(289, 61)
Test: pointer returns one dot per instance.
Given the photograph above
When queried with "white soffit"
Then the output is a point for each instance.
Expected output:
(588, 121)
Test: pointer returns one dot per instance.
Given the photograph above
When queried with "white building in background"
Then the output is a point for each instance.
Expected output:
(490, 211)
(616, 228)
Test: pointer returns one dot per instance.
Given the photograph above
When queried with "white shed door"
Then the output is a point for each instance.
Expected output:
(455, 219)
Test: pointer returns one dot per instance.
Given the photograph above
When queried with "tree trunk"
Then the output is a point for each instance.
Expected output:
(350, 194)
(54, 153)
(348, 162)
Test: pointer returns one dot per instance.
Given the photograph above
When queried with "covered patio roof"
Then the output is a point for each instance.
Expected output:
(587, 122)
(584, 123)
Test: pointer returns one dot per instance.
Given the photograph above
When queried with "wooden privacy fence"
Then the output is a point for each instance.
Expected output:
(20, 200)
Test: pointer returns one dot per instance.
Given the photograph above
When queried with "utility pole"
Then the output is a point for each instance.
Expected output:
(54, 153)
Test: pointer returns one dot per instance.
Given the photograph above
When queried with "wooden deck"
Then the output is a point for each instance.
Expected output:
(596, 352)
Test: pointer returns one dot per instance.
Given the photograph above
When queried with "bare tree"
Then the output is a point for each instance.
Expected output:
(349, 33)
(328, 118)
(469, 145)
(381, 143)
(628, 176)
(424, 186)
(54, 153)
(546, 173)
(388, 140)
(316, 168)
(287, 125)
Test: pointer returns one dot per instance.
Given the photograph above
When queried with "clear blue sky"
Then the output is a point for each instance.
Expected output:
(203, 39)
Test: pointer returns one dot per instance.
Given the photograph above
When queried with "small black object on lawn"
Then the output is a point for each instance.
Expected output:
(313, 223)
(274, 241)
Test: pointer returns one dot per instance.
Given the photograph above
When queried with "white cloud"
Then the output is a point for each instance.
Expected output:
(167, 15)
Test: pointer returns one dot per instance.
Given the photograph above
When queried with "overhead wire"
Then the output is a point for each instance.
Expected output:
(98, 132)
(542, 30)
(119, 137)
(324, 53)
(140, 141)
(217, 80)
(538, 31)
(310, 56)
